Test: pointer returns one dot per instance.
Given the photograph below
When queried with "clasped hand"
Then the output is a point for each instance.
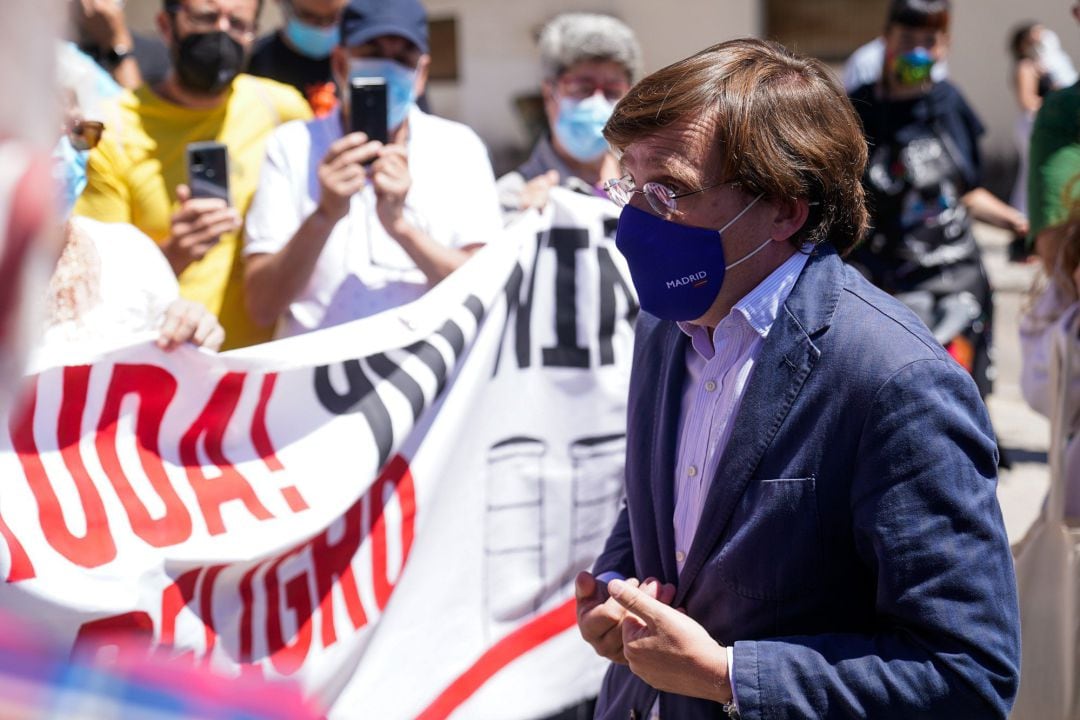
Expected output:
(350, 164)
(633, 623)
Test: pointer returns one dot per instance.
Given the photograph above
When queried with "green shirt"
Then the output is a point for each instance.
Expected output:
(1055, 159)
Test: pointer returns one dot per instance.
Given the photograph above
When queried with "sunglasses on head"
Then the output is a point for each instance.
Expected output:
(86, 134)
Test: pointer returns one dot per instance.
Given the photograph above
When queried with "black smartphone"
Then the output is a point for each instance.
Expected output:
(367, 108)
(208, 170)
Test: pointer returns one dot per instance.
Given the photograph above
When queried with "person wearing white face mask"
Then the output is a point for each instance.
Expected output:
(343, 227)
(298, 53)
(589, 62)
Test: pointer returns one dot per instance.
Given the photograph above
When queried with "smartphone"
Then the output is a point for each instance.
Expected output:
(208, 170)
(367, 108)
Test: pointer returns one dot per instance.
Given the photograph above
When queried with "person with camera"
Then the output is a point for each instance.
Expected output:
(344, 225)
(138, 174)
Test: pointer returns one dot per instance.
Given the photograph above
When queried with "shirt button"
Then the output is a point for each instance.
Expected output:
(691, 471)
(680, 556)
(710, 386)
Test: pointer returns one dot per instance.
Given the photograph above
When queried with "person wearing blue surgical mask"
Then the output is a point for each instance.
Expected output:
(589, 62)
(344, 225)
(298, 53)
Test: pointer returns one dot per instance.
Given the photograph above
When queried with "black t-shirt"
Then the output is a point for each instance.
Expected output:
(273, 58)
(923, 157)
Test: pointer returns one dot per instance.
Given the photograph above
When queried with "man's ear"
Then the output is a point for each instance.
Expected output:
(423, 67)
(789, 217)
(164, 23)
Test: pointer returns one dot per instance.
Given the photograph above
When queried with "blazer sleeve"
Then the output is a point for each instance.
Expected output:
(927, 523)
(618, 554)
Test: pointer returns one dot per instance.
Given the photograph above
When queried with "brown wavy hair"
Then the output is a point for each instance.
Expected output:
(782, 123)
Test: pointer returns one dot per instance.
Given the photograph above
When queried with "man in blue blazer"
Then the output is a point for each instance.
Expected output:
(811, 528)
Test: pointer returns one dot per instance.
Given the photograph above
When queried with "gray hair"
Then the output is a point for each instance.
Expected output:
(573, 37)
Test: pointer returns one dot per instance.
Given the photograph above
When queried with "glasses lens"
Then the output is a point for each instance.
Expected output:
(618, 191)
(86, 134)
(661, 198)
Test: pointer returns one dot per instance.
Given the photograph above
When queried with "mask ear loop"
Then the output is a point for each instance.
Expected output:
(731, 222)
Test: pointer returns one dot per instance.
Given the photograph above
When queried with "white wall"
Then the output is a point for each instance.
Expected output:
(980, 64)
(498, 58)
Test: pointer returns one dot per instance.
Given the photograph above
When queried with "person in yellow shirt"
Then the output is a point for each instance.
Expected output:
(137, 174)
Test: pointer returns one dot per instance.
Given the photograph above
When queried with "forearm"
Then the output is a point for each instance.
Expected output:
(435, 260)
(984, 206)
(127, 74)
(272, 281)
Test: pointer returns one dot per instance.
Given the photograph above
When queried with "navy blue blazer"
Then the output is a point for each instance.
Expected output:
(851, 546)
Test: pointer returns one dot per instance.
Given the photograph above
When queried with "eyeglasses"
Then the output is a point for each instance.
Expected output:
(662, 199)
(86, 134)
(579, 88)
(210, 20)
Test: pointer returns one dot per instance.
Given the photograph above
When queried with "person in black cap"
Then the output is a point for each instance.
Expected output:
(343, 226)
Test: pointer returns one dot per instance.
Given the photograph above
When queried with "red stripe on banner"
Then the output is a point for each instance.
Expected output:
(260, 436)
(510, 648)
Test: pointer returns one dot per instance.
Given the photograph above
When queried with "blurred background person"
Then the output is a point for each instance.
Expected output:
(1056, 305)
(1039, 67)
(865, 65)
(298, 53)
(101, 31)
(138, 173)
(343, 227)
(589, 62)
(1053, 162)
(111, 281)
(924, 184)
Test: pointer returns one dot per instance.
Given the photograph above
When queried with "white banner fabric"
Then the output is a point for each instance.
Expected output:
(389, 513)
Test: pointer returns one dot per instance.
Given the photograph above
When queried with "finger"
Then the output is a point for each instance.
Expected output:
(398, 152)
(552, 177)
(201, 206)
(667, 594)
(349, 142)
(183, 193)
(584, 586)
(215, 340)
(637, 602)
(205, 325)
(170, 325)
(354, 156)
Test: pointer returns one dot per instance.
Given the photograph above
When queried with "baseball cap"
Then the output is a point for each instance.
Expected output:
(365, 20)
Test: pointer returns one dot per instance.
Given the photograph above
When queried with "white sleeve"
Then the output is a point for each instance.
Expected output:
(480, 214)
(275, 212)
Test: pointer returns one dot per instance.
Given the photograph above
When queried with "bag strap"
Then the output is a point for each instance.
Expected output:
(1062, 349)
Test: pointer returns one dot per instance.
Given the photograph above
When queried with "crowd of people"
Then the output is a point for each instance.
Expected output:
(852, 562)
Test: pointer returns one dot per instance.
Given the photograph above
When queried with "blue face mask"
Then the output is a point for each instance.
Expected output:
(69, 170)
(309, 40)
(400, 85)
(677, 269)
(580, 126)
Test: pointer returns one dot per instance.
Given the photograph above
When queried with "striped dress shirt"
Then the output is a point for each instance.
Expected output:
(717, 371)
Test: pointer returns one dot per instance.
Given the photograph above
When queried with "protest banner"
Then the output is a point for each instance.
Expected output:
(389, 513)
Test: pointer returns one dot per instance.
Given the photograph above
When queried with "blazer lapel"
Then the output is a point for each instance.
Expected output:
(784, 362)
(669, 387)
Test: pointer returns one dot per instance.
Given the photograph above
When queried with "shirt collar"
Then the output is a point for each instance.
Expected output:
(760, 307)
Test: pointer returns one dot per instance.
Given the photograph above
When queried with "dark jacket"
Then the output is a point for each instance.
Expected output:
(851, 546)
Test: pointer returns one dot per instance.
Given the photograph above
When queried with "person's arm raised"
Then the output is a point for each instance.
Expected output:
(273, 280)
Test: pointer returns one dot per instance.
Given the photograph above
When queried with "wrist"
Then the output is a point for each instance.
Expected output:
(400, 229)
(329, 215)
(720, 676)
(176, 262)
